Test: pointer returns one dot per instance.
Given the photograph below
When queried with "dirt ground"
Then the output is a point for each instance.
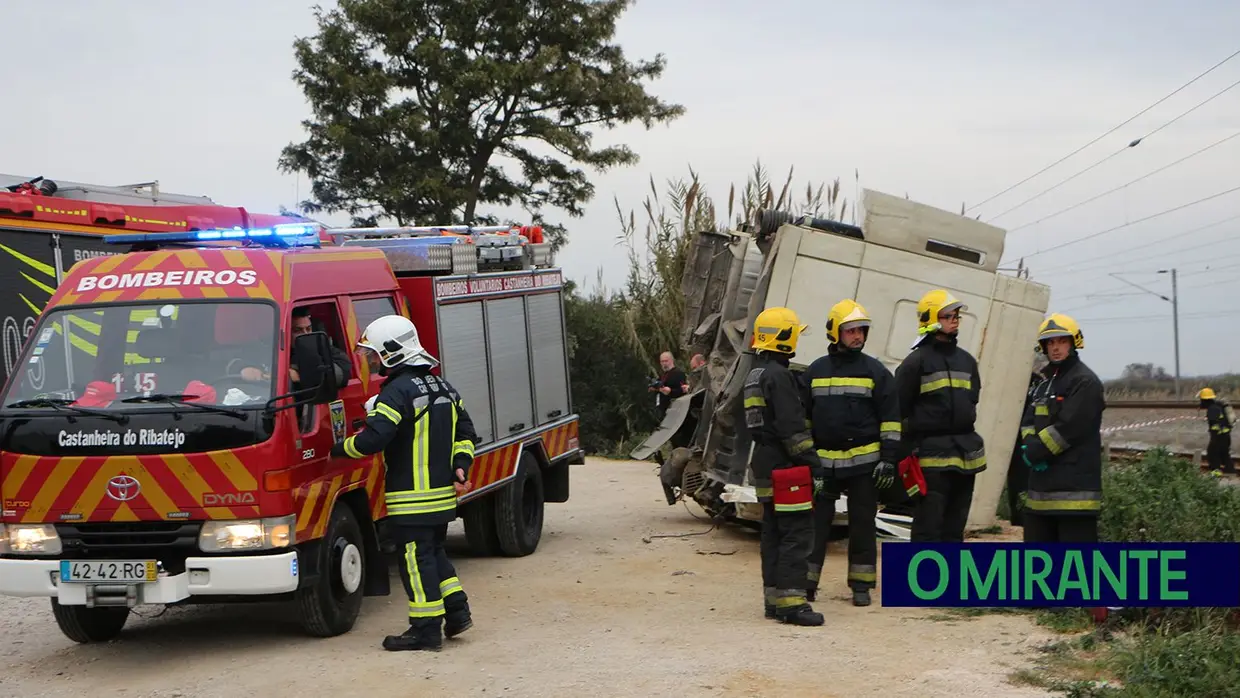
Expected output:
(595, 611)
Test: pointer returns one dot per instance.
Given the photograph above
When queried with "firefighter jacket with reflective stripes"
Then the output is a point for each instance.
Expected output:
(421, 425)
(938, 386)
(776, 422)
(1216, 418)
(853, 410)
(1062, 428)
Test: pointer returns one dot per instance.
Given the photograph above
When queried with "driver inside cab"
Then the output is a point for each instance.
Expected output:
(302, 324)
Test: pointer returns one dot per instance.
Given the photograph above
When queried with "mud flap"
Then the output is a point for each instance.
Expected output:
(675, 417)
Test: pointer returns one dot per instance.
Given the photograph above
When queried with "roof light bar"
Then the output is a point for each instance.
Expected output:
(278, 235)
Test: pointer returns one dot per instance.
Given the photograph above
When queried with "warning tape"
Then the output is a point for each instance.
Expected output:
(1141, 425)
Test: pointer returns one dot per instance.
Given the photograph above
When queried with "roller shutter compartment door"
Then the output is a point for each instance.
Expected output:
(463, 351)
(550, 369)
(507, 341)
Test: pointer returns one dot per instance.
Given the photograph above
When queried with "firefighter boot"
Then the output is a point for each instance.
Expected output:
(457, 622)
(801, 615)
(768, 596)
(427, 637)
(861, 597)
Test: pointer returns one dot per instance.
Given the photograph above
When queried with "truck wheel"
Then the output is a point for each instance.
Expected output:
(519, 509)
(85, 625)
(330, 606)
(480, 533)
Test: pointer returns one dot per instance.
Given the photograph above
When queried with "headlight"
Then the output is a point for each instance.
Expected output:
(249, 534)
(29, 539)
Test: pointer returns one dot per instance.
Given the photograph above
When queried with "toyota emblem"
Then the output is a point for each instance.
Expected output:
(123, 488)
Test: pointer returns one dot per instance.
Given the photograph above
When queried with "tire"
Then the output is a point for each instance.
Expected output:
(519, 509)
(330, 606)
(480, 529)
(86, 625)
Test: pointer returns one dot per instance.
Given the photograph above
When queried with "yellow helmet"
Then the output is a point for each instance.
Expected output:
(777, 329)
(847, 313)
(932, 305)
(1206, 394)
(1060, 325)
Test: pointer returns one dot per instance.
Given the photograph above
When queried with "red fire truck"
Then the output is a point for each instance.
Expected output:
(142, 463)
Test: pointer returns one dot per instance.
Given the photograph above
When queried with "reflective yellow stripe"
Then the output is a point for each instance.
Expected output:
(421, 453)
(1027, 431)
(963, 464)
(419, 606)
(890, 426)
(947, 383)
(1063, 501)
(413, 496)
(755, 402)
(384, 410)
(429, 609)
(833, 381)
(1041, 410)
(1053, 441)
(350, 450)
(764, 492)
(790, 601)
(423, 508)
(794, 507)
(851, 453)
(451, 585)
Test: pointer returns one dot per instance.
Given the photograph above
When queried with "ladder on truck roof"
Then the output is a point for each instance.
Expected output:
(140, 194)
(411, 251)
(452, 249)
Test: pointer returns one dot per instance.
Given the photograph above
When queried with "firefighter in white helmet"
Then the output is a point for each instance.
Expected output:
(427, 438)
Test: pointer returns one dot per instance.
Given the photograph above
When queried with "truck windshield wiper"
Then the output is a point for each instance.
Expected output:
(62, 404)
(181, 399)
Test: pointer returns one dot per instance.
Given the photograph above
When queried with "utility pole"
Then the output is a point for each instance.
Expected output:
(1175, 328)
(1174, 300)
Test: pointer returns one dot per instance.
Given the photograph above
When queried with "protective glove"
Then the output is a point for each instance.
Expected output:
(370, 404)
(819, 485)
(1035, 467)
(884, 475)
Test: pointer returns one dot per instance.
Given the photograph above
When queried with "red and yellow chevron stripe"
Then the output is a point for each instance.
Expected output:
(313, 502)
(500, 464)
(172, 487)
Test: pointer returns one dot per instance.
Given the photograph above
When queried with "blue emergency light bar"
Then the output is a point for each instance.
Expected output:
(281, 235)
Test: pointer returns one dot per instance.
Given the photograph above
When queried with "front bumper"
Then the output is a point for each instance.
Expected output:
(204, 576)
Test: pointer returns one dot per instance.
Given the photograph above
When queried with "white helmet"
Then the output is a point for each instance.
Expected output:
(395, 339)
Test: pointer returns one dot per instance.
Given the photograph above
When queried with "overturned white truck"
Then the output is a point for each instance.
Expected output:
(901, 250)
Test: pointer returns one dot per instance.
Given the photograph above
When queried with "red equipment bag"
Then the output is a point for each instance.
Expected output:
(912, 477)
(792, 489)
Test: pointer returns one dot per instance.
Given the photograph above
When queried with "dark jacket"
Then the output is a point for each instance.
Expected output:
(939, 386)
(1063, 428)
(421, 425)
(1216, 418)
(776, 422)
(854, 412)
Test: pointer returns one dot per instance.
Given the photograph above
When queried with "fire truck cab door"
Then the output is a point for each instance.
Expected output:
(321, 426)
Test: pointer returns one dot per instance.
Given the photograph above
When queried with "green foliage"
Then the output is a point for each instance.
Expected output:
(616, 336)
(1167, 499)
(414, 101)
(1166, 651)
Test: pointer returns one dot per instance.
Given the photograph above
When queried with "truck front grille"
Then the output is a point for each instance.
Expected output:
(168, 542)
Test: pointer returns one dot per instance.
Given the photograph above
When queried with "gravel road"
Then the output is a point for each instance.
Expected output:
(595, 611)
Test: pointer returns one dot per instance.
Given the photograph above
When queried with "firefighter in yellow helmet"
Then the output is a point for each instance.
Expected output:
(855, 418)
(1218, 452)
(784, 466)
(1062, 441)
(938, 386)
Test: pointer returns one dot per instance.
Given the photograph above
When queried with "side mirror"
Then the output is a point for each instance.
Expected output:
(314, 364)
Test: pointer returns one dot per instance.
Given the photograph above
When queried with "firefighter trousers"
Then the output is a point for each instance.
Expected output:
(942, 513)
(1041, 528)
(1218, 453)
(787, 539)
(428, 575)
(862, 535)
(1017, 484)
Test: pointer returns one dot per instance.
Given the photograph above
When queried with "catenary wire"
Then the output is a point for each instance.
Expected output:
(1126, 184)
(1107, 259)
(1130, 146)
(1131, 223)
(1113, 130)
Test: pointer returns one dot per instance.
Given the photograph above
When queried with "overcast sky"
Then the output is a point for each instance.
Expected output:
(949, 101)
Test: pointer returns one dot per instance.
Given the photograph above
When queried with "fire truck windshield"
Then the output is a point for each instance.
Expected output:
(149, 355)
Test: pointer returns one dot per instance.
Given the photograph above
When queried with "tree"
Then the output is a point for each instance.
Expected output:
(415, 100)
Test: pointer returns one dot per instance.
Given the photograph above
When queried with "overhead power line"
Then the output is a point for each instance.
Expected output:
(1113, 130)
(1127, 184)
(1131, 223)
(1130, 146)
(1108, 259)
